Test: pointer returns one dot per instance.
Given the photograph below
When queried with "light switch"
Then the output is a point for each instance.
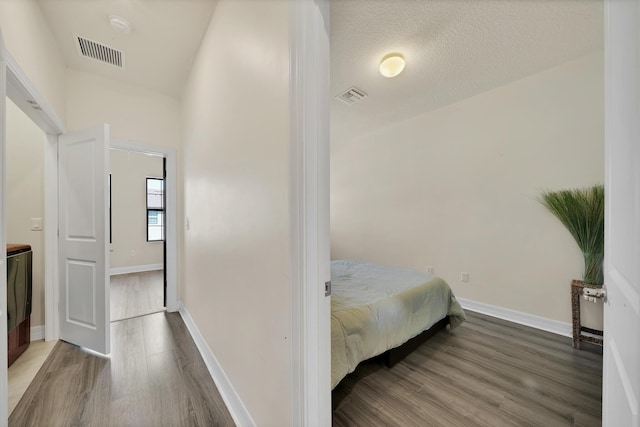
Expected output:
(36, 224)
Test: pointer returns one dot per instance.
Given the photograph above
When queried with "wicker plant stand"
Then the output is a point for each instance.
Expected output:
(579, 331)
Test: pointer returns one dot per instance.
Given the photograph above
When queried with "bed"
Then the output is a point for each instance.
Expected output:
(376, 308)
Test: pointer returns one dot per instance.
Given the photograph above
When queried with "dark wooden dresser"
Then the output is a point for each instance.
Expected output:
(19, 294)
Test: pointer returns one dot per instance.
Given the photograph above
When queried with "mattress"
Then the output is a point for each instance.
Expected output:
(375, 308)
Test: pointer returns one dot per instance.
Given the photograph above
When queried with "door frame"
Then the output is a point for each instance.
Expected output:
(26, 96)
(171, 221)
(309, 191)
(4, 373)
(620, 384)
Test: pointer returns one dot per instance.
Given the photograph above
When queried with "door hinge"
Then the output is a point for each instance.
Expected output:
(327, 288)
(592, 294)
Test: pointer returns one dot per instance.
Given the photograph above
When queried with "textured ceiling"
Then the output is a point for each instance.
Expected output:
(454, 49)
(159, 51)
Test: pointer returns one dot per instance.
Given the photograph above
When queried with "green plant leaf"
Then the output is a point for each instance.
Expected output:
(582, 212)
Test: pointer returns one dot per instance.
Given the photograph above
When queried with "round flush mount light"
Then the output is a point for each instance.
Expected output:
(392, 65)
(120, 24)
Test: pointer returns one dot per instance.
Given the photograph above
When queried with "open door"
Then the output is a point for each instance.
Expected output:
(621, 366)
(83, 227)
(4, 410)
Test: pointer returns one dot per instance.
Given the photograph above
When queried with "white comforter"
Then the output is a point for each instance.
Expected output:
(375, 308)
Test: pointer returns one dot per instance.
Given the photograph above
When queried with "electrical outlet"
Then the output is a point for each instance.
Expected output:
(464, 277)
(429, 269)
(133, 252)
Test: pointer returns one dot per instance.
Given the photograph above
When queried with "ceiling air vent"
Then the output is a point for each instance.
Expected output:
(351, 95)
(99, 52)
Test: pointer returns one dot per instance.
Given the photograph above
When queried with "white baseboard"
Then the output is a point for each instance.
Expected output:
(549, 325)
(237, 409)
(36, 333)
(135, 269)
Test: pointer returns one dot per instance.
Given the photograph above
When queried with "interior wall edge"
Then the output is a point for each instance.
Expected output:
(231, 398)
(20, 89)
(36, 333)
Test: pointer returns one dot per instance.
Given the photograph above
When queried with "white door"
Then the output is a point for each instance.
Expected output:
(84, 280)
(621, 368)
(4, 415)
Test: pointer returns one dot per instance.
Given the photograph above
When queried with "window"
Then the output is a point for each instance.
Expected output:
(155, 209)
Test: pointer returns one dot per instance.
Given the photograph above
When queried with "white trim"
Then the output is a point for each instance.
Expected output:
(121, 144)
(231, 398)
(171, 232)
(135, 269)
(309, 195)
(36, 333)
(20, 90)
(4, 373)
(542, 323)
(51, 278)
(620, 379)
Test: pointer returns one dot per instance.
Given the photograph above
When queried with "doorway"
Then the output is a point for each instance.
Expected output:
(136, 239)
(26, 97)
(167, 159)
(25, 218)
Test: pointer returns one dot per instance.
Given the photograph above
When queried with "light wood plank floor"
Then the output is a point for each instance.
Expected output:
(154, 377)
(136, 294)
(25, 368)
(488, 372)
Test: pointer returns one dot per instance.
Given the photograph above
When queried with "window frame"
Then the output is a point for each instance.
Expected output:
(155, 209)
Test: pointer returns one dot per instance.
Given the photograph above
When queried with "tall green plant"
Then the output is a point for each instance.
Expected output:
(582, 212)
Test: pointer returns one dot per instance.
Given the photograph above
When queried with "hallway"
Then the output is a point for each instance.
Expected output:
(155, 376)
(136, 294)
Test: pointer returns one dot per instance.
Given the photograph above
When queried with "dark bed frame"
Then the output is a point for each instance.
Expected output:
(395, 355)
(389, 358)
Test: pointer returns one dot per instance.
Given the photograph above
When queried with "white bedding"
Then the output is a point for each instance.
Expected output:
(375, 308)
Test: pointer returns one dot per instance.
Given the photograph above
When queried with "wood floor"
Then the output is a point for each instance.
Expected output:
(154, 377)
(136, 294)
(25, 368)
(488, 372)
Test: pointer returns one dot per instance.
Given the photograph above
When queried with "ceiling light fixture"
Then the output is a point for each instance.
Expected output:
(120, 24)
(392, 65)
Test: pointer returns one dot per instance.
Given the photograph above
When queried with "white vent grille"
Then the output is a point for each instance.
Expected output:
(99, 52)
(351, 95)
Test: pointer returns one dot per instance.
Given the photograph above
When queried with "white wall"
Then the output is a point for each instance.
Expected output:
(129, 246)
(456, 189)
(25, 195)
(133, 114)
(236, 161)
(29, 40)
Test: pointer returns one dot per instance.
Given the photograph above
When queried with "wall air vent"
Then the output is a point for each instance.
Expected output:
(351, 95)
(99, 52)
